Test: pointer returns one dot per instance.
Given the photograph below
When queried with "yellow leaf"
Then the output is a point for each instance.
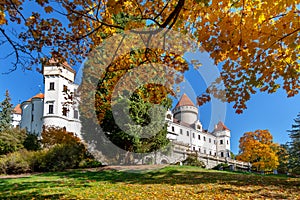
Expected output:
(261, 18)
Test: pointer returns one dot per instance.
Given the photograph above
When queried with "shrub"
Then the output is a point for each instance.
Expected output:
(221, 166)
(16, 162)
(193, 160)
(59, 157)
(89, 163)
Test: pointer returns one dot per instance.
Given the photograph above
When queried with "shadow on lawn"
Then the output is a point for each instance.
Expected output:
(80, 179)
(174, 176)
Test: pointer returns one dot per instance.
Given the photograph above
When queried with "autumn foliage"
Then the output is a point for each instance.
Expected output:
(52, 136)
(258, 148)
(256, 43)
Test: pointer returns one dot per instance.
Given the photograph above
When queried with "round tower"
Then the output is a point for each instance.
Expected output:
(185, 110)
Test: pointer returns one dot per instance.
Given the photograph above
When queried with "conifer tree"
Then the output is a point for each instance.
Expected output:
(5, 112)
(294, 161)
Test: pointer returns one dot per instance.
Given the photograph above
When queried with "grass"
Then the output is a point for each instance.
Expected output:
(173, 182)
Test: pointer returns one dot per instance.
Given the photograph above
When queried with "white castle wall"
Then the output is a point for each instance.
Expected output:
(16, 120)
(187, 114)
(32, 113)
(56, 80)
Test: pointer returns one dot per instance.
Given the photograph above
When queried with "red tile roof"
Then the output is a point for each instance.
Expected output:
(185, 101)
(37, 96)
(221, 127)
(65, 64)
(17, 109)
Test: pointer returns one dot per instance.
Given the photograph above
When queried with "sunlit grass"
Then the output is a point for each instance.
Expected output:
(173, 182)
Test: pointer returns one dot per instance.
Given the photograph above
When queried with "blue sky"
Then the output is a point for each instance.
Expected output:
(274, 112)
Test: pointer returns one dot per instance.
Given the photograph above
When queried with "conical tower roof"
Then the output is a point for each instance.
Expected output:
(184, 101)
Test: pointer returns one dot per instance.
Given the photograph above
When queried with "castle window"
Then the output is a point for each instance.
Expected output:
(65, 88)
(214, 141)
(221, 141)
(199, 137)
(209, 140)
(193, 135)
(32, 118)
(204, 138)
(169, 116)
(181, 131)
(51, 86)
(65, 110)
(209, 152)
(199, 149)
(32, 107)
(227, 142)
(198, 127)
(204, 151)
(50, 109)
(194, 149)
(222, 154)
(76, 114)
(173, 129)
(187, 133)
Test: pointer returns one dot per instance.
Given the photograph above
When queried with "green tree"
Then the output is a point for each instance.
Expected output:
(145, 133)
(32, 142)
(5, 112)
(294, 160)
(283, 158)
(11, 140)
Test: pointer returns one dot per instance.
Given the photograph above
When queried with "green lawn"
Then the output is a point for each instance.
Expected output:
(172, 182)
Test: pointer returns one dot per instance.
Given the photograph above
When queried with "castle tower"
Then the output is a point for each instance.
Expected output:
(222, 134)
(31, 114)
(185, 110)
(60, 106)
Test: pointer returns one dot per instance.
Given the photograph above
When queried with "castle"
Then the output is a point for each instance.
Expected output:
(56, 107)
(185, 131)
(184, 127)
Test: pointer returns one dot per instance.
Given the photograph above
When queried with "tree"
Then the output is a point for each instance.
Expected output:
(32, 142)
(139, 132)
(258, 148)
(283, 158)
(52, 136)
(11, 140)
(256, 42)
(294, 159)
(5, 113)
(63, 150)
